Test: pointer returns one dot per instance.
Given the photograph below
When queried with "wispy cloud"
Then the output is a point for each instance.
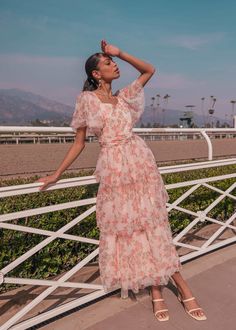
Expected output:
(195, 42)
(175, 81)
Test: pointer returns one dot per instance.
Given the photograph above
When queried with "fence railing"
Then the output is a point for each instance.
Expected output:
(146, 133)
(189, 248)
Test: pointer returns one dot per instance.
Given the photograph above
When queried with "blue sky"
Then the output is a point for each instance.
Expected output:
(44, 45)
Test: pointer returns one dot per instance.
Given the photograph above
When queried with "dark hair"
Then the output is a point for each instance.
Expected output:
(91, 64)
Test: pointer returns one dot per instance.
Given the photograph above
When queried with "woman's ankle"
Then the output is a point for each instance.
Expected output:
(183, 289)
(156, 291)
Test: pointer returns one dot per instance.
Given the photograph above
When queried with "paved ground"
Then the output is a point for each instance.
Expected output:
(29, 159)
(218, 303)
(212, 279)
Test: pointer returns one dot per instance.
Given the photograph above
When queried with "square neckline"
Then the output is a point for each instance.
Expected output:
(113, 105)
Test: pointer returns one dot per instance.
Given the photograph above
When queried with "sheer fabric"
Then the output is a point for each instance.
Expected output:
(136, 248)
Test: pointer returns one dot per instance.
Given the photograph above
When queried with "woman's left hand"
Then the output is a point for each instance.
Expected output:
(109, 49)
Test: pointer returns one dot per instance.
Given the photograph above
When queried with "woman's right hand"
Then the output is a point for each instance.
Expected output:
(47, 180)
(109, 49)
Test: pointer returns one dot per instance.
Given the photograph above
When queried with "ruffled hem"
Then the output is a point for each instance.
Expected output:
(128, 230)
(147, 258)
(142, 283)
(127, 208)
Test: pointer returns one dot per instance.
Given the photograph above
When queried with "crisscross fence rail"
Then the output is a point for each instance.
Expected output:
(189, 248)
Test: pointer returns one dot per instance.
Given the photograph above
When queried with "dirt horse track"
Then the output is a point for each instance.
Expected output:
(24, 160)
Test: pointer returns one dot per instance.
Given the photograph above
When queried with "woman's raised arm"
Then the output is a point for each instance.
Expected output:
(146, 69)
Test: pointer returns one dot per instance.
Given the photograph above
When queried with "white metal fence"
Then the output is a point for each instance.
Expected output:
(93, 291)
(146, 133)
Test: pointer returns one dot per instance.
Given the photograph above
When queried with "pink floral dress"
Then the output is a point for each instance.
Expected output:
(136, 248)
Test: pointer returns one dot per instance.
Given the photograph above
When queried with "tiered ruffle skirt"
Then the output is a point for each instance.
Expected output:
(136, 249)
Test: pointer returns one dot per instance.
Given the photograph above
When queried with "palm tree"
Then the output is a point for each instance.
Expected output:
(158, 105)
(158, 98)
(233, 104)
(213, 102)
(153, 109)
(165, 98)
(211, 110)
(153, 99)
(202, 110)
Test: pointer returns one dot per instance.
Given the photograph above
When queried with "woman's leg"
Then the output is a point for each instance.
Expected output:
(156, 292)
(186, 293)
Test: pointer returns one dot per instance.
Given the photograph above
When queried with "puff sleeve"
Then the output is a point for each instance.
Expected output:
(133, 95)
(87, 114)
(79, 118)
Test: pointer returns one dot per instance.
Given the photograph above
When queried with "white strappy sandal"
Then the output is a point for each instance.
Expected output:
(198, 318)
(159, 311)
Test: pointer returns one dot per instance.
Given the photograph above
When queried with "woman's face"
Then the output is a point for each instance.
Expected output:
(107, 69)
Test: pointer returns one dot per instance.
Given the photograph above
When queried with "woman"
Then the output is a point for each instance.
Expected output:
(136, 248)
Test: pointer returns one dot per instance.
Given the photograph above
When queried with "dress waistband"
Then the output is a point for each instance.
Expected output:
(116, 141)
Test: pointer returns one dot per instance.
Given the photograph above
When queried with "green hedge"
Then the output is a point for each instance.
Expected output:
(61, 255)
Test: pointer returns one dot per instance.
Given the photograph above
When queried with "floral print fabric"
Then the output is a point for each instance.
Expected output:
(136, 248)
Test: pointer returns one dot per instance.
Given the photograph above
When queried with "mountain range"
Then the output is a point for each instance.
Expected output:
(21, 108)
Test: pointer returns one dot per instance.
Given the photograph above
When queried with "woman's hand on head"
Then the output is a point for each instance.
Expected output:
(47, 180)
(109, 49)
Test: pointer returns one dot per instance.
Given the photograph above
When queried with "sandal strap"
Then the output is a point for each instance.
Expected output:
(161, 310)
(185, 300)
(160, 299)
(194, 309)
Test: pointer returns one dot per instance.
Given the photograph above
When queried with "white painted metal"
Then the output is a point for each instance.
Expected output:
(53, 129)
(48, 240)
(202, 131)
(52, 285)
(25, 281)
(209, 144)
(48, 233)
(196, 166)
(58, 310)
(48, 291)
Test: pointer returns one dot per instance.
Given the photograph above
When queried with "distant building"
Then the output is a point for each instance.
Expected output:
(187, 119)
